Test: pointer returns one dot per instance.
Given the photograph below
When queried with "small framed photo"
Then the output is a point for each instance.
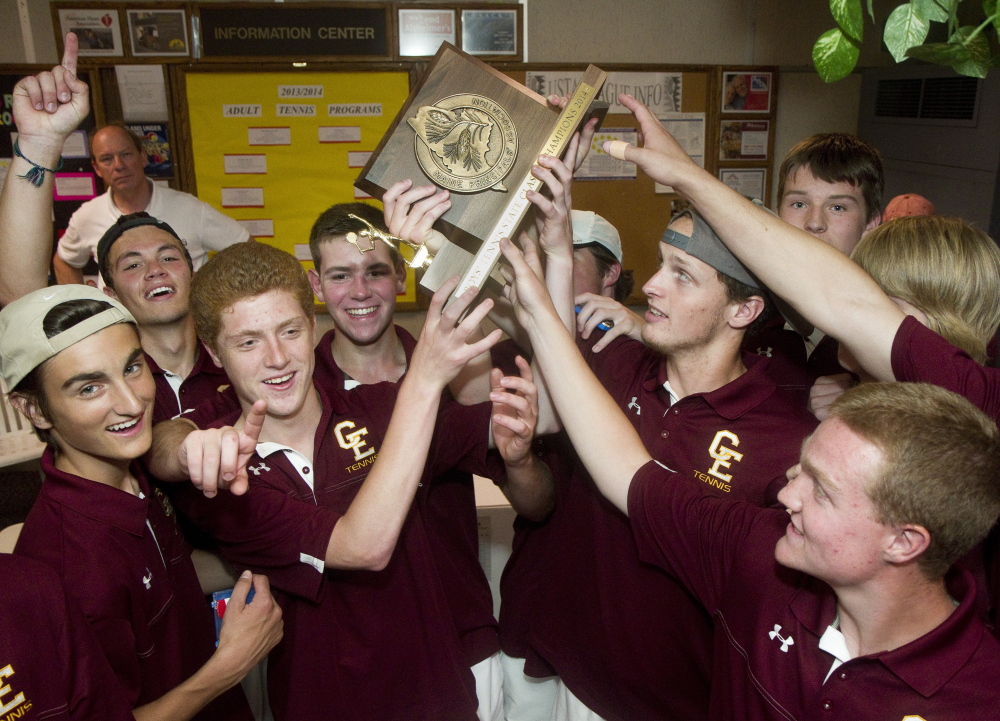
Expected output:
(158, 32)
(98, 31)
(421, 31)
(746, 92)
(489, 32)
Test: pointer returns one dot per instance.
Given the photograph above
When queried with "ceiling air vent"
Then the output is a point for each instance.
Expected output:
(927, 98)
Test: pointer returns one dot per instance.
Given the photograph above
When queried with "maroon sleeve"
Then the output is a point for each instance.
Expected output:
(268, 531)
(215, 407)
(922, 356)
(698, 537)
(461, 439)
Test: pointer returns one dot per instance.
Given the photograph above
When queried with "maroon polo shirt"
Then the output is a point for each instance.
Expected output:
(124, 561)
(524, 575)
(920, 355)
(785, 348)
(448, 505)
(51, 666)
(824, 361)
(625, 637)
(358, 644)
(205, 382)
(769, 619)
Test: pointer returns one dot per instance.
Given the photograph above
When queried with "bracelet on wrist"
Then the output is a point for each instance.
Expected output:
(35, 176)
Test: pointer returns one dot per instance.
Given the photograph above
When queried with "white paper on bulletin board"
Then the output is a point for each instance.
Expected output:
(598, 165)
(305, 176)
(688, 129)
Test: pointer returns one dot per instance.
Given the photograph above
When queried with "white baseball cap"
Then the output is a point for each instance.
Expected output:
(23, 343)
(589, 227)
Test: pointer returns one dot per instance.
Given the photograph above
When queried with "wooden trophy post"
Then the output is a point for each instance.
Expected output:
(476, 132)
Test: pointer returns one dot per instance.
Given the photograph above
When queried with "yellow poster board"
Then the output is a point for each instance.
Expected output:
(274, 150)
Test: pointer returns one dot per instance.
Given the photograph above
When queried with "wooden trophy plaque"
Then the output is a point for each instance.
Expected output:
(476, 132)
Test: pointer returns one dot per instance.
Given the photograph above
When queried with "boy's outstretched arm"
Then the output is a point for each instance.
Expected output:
(818, 281)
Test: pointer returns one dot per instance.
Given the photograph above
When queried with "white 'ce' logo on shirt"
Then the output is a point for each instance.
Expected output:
(352, 440)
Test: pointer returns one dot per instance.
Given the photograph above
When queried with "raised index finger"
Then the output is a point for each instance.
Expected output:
(70, 52)
(255, 420)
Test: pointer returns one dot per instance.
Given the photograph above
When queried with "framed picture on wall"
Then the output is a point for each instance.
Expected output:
(98, 30)
(746, 92)
(743, 139)
(158, 32)
(489, 32)
(421, 31)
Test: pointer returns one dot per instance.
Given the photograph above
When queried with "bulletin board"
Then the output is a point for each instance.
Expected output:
(275, 149)
(690, 97)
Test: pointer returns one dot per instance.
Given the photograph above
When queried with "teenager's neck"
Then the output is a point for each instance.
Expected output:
(881, 618)
(297, 430)
(134, 201)
(106, 471)
(174, 346)
(704, 369)
(383, 360)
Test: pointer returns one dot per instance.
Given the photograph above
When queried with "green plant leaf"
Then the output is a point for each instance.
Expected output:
(835, 55)
(871, 10)
(848, 15)
(931, 10)
(939, 53)
(903, 30)
(990, 8)
(978, 48)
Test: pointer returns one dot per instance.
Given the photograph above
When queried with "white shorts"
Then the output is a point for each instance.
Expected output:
(570, 708)
(489, 688)
(526, 698)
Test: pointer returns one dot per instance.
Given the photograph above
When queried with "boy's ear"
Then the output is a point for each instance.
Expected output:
(747, 312)
(30, 410)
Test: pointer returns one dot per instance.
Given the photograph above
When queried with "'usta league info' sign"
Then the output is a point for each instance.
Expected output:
(476, 132)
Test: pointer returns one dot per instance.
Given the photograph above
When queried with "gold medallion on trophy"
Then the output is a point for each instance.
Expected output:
(466, 143)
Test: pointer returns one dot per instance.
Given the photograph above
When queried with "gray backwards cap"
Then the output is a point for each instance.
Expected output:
(23, 343)
(707, 247)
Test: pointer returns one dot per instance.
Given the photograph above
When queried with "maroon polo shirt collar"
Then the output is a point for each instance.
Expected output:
(950, 645)
(203, 364)
(733, 399)
(324, 352)
(97, 500)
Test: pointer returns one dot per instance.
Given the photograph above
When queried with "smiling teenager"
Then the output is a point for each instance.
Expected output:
(332, 478)
(844, 607)
(76, 370)
(146, 267)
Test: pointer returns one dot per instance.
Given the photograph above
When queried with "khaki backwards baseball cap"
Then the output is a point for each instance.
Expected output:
(23, 343)
(590, 228)
(707, 247)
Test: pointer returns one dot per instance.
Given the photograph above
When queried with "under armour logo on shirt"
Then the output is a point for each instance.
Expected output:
(765, 351)
(785, 642)
(146, 579)
(633, 404)
(258, 469)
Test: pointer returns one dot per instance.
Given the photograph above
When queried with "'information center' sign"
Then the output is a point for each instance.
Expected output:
(295, 32)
